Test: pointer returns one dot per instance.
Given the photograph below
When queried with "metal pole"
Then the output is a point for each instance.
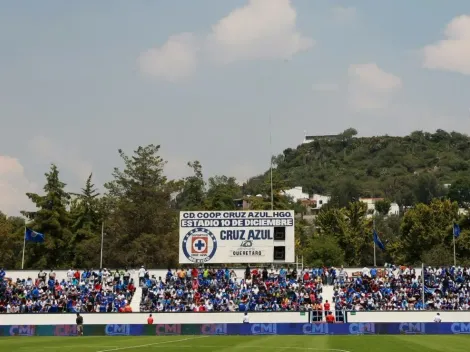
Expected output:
(375, 257)
(24, 246)
(422, 279)
(102, 239)
(455, 259)
(271, 162)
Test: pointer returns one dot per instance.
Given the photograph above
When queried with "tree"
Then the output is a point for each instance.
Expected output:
(351, 229)
(349, 133)
(53, 220)
(221, 193)
(86, 226)
(11, 241)
(427, 188)
(383, 206)
(141, 211)
(424, 227)
(192, 196)
(459, 191)
(344, 192)
(323, 252)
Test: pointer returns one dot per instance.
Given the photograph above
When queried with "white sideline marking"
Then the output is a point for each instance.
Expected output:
(153, 344)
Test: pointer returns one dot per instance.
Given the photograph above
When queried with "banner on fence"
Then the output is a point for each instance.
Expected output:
(239, 329)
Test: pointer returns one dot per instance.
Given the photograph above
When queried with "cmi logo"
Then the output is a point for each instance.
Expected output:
(361, 328)
(168, 329)
(264, 329)
(22, 330)
(117, 330)
(214, 329)
(412, 328)
(460, 328)
(199, 245)
(65, 330)
(315, 329)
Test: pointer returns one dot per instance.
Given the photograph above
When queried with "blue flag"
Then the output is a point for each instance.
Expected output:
(456, 230)
(378, 242)
(33, 236)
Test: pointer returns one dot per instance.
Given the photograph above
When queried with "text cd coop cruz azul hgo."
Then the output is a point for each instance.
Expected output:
(256, 236)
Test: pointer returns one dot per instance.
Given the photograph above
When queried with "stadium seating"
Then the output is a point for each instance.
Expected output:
(401, 288)
(206, 290)
(86, 291)
(227, 290)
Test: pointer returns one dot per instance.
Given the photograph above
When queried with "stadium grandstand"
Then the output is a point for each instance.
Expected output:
(233, 290)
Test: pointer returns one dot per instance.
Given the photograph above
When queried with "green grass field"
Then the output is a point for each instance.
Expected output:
(383, 343)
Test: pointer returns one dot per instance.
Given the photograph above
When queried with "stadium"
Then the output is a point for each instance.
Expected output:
(157, 191)
(205, 305)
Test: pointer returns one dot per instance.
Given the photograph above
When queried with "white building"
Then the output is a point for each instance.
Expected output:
(296, 194)
(394, 208)
(320, 200)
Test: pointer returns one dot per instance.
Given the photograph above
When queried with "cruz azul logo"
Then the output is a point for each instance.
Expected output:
(199, 245)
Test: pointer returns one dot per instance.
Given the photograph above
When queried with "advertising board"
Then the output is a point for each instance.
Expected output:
(255, 236)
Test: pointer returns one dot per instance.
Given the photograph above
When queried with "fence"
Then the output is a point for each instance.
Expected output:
(238, 329)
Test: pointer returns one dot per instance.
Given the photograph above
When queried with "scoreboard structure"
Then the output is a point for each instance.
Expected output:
(253, 236)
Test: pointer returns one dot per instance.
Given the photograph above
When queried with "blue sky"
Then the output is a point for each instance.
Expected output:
(79, 80)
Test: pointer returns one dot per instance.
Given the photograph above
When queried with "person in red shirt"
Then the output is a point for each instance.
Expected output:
(150, 320)
(330, 319)
(326, 306)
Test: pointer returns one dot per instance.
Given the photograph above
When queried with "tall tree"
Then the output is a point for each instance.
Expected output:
(53, 220)
(141, 196)
(459, 191)
(424, 227)
(192, 195)
(221, 193)
(11, 241)
(86, 223)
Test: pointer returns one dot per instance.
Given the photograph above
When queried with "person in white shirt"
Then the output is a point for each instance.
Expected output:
(246, 320)
(141, 275)
(437, 318)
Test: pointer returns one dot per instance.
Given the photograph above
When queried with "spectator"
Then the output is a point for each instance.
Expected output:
(26, 296)
(221, 291)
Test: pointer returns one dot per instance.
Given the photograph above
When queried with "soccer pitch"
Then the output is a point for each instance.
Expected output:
(361, 343)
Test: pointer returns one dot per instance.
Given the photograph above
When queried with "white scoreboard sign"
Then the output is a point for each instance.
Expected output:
(237, 236)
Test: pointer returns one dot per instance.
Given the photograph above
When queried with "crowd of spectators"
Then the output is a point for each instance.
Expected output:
(220, 290)
(400, 288)
(86, 291)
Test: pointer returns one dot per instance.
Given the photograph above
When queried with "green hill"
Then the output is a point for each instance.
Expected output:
(409, 169)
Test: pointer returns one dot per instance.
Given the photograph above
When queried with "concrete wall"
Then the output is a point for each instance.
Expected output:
(62, 274)
(412, 316)
(159, 318)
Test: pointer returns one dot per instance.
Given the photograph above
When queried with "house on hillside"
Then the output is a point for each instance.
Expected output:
(296, 194)
(394, 208)
(327, 137)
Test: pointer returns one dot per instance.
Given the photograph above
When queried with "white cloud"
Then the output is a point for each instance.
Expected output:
(325, 87)
(173, 61)
(370, 87)
(51, 152)
(13, 186)
(344, 14)
(453, 53)
(260, 30)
